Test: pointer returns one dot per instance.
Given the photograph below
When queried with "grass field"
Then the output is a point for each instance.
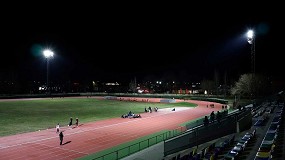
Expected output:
(33, 115)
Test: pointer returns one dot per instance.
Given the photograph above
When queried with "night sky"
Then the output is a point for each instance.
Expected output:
(118, 45)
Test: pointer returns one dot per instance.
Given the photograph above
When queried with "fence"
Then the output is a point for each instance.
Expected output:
(172, 146)
(201, 134)
(141, 145)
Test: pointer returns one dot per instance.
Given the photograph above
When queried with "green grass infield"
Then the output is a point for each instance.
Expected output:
(32, 115)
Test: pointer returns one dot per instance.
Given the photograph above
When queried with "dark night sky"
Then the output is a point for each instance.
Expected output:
(118, 45)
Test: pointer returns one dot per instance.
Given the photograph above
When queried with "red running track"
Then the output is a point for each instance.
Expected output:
(93, 137)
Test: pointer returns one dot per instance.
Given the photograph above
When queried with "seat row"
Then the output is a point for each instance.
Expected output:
(240, 145)
(267, 146)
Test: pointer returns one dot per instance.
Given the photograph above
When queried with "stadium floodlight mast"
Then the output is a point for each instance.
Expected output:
(251, 41)
(48, 54)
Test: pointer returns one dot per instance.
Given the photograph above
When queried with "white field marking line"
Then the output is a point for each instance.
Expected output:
(69, 150)
(137, 119)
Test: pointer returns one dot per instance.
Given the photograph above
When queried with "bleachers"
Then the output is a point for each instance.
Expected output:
(248, 141)
(244, 143)
(279, 143)
(240, 145)
(261, 115)
(204, 151)
(267, 148)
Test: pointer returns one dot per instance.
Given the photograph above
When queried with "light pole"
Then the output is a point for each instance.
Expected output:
(48, 54)
(251, 41)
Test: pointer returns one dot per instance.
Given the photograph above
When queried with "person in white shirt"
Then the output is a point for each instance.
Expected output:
(57, 128)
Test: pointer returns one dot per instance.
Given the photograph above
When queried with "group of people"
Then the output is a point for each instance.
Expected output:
(131, 115)
(57, 128)
(76, 122)
(218, 117)
(150, 109)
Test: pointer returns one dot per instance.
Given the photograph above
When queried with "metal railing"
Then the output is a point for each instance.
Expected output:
(141, 145)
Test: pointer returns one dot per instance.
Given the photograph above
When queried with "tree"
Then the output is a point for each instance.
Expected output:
(251, 85)
(133, 86)
(243, 86)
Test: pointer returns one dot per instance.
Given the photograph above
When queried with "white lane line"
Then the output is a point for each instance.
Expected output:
(96, 128)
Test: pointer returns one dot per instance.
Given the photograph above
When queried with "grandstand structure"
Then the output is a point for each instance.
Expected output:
(239, 136)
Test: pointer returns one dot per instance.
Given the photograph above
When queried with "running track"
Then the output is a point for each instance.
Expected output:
(93, 137)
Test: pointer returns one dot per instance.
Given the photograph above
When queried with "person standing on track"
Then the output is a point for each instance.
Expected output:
(60, 138)
(57, 128)
(145, 110)
(70, 122)
(76, 122)
(149, 109)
